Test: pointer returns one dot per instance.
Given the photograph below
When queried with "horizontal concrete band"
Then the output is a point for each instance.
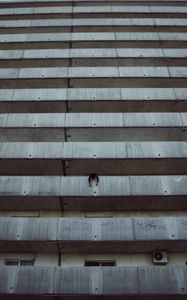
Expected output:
(107, 158)
(93, 94)
(93, 235)
(94, 22)
(92, 120)
(93, 9)
(98, 229)
(105, 150)
(93, 72)
(105, 1)
(93, 53)
(92, 36)
(93, 127)
(108, 281)
(93, 100)
(79, 186)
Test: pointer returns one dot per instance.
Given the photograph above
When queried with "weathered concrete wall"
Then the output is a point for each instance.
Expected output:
(93, 87)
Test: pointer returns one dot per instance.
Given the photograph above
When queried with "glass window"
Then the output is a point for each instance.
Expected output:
(18, 262)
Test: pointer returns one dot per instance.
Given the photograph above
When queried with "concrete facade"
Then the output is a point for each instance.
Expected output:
(93, 87)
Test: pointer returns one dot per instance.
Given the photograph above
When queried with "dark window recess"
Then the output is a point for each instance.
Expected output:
(100, 263)
(26, 263)
(11, 262)
(18, 262)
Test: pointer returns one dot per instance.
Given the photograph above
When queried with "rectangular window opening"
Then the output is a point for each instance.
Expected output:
(100, 263)
(19, 262)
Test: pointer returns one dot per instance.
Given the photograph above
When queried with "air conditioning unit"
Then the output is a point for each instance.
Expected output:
(160, 257)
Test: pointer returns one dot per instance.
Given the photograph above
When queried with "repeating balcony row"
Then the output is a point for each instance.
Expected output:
(93, 53)
(93, 9)
(106, 150)
(94, 235)
(93, 100)
(114, 193)
(119, 158)
(93, 72)
(79, 186)
(93, 77)
(10, 3)
(92, 120)
(54, 127)
(94, 22)
(116, 282)
(93, 36)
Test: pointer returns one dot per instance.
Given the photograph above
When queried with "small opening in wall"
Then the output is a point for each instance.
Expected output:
(19, 262)
(100, 263)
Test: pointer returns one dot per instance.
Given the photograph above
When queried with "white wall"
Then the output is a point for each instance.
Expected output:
(79, 259)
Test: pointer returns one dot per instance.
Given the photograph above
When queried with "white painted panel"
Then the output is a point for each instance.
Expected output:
(152, 119)
(164, 36)
(168, 9)
(42, 259)
(94, 94)
(15, 23)
(39, 94)
(45, 53)
(130, 36)
(92, 36)
(32, 37)
(147, 94)
(42, 72)
(93, 22)
(94, 119)
(143, 72)
(52, 10)
(93, 52)
(139, 52)
(133, 21)
(51, 22)
(18, 11)
(11, 54)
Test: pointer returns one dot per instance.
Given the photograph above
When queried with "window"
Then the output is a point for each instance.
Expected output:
(11, 262)
(18, 262)
(99, 215)
(100, 263)
(26, 262)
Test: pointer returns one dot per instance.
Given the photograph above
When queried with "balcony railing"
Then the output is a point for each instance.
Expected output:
(107, 281)
(74, 193)
(107, 158)
(94, 235)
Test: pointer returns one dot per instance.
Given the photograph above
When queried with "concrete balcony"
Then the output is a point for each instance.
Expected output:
(83, 282)
(100, 11)
(112, 193)
(109, 158)
(71, 127)
(94, 77)
(90, 100)
(94, 235)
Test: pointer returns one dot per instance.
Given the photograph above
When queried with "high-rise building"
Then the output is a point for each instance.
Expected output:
(93, 152)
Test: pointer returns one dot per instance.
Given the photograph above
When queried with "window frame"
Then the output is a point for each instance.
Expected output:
(18, 262)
